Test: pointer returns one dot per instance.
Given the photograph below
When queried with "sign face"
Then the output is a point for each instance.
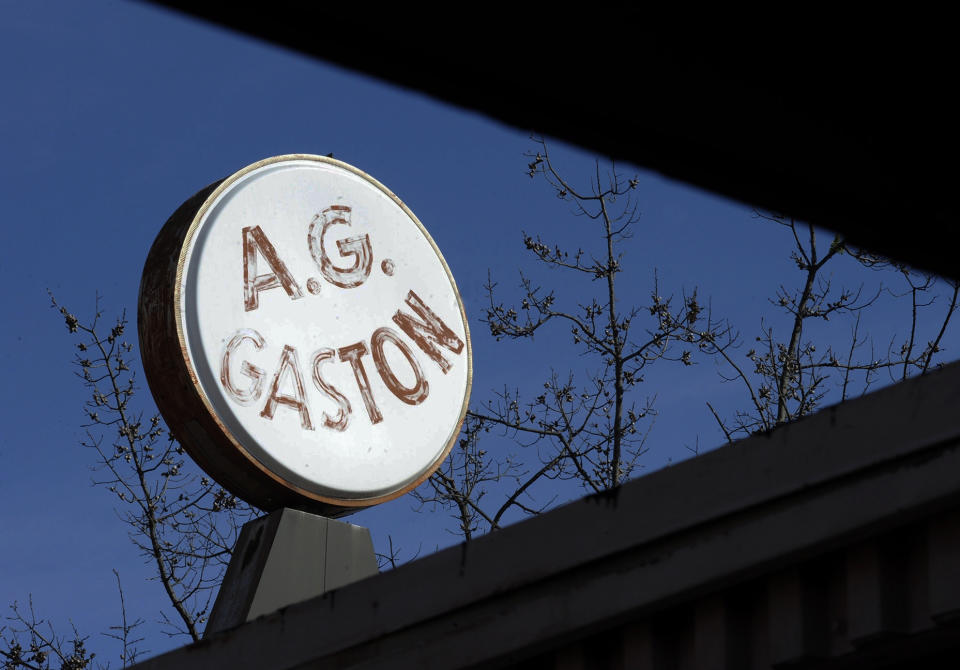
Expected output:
(322, 334)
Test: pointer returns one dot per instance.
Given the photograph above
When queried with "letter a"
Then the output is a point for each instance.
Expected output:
(254, 240)
(288, 364)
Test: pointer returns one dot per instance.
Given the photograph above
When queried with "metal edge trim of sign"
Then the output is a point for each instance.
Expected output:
(290, 486)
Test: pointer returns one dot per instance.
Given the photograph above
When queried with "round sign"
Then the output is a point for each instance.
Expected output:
(304, 338)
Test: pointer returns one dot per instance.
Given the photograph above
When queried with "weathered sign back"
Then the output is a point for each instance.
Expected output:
(304, 338)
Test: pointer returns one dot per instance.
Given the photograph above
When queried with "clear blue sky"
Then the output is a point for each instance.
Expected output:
(115, 112)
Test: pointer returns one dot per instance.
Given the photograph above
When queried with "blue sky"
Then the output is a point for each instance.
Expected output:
(115, 112)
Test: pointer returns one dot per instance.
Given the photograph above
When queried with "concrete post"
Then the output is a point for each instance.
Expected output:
(286, 557)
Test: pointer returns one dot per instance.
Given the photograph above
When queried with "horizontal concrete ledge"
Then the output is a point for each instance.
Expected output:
(845, 473)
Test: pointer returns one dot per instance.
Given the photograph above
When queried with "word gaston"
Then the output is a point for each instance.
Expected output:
(425, 328)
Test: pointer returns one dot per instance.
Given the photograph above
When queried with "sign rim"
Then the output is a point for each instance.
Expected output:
(187, 244)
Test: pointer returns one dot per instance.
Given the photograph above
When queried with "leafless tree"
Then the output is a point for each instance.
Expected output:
(184, 525)
(791, 373)
(590, 429)
(28, 642)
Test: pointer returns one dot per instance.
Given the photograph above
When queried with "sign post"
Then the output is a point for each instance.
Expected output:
(304, 338)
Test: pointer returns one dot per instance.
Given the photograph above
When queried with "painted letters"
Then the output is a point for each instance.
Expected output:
(288, 364)
(358, 247)
(353, 354)
(413, 395)
(255, 240)
(251, 394)
(342, 419)
(427, 331)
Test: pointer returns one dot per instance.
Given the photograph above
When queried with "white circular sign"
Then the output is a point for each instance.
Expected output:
(323, 330)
